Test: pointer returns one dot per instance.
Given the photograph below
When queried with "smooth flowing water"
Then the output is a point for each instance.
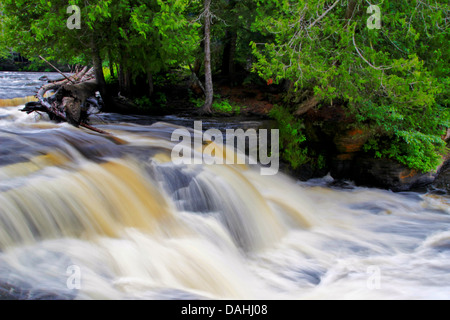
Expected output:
(85, 216)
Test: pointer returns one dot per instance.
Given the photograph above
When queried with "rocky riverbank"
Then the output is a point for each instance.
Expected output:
(327, 129)
(442, 181)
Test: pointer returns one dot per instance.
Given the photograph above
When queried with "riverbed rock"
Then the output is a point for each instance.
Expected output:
(351, 141)
(389, 174)
(443, 178)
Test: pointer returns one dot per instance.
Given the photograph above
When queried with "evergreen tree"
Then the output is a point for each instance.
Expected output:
(393, 78)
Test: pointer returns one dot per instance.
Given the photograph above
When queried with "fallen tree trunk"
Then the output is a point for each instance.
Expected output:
(71, 100)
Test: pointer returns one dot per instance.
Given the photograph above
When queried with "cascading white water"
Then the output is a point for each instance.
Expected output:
(135, 226)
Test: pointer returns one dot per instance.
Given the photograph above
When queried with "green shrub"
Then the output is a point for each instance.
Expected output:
(393, 81)
(292, 137)
(220, 105)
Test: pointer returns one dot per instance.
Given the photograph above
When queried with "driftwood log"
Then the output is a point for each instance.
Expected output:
(69, 99)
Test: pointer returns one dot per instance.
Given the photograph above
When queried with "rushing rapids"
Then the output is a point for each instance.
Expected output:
(85, 216)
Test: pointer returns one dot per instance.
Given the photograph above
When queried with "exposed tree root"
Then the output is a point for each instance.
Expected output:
(69, 99)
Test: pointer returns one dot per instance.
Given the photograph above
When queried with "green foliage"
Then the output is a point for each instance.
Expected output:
(238, 16)
(167, 78)
(223, 106)
(253, 78)
(36, 65)
(161, 98)
(4, 52)
(157, 35)
(150, 105)
(143, 103)
(196, 102)
(220, 105)
(108, 77)
(414, 140)
(141, 36)
(292, 137)
(393, 80)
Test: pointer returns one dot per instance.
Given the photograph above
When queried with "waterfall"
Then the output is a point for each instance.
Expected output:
(85, 217)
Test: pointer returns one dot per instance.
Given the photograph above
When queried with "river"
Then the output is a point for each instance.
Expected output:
(85, 216)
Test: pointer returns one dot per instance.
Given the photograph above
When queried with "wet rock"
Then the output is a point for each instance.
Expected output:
(330, 132)
(341, 184)
(381, 173)
(351, 141)
(443, 178)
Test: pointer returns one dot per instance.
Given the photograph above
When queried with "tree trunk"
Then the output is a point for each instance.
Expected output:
(124, 78)
(150, 83)
(350, 9)
(226, 54)
(231, 63)
(124, 81)
(121, 77)
(67, 101)
(229, 53)
(98, 71)
(209, 90)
